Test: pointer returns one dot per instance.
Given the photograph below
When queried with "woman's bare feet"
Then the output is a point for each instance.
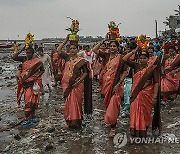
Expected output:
(112, 133)
(66, 126)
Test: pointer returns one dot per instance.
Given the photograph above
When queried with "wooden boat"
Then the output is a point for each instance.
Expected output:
(6, 45)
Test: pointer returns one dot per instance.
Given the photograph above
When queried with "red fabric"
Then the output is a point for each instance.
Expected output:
(109, 73)
(73, 103)
(169, 82)
(97, 68)
(113, 109)
(141, 107)
(171, 44)
(58, 66)
(19, 93)
(29, 97)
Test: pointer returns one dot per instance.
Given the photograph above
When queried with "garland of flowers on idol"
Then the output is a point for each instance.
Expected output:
(114, 30)
(143, 42)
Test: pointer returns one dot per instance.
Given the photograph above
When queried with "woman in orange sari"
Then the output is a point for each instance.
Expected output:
(32, 69)
(20, 90)
(114, 73)
(143, 94)
(98, 65)
(75, 78)
(170, 79)
(58, 66)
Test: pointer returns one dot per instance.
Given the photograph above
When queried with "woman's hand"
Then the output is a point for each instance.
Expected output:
(107, 36)
(22, 81)
(116, 89)
(154, 101)
(67, 38)
(76, 83)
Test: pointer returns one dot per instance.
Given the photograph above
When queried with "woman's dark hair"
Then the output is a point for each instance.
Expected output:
(150, 43)
(116, 42)
(173, 36)
(80, 47)
(35, 46)
(40, 49)
(151, 48)
(30, 49)
(20, 66)
(172, 47)
(105, 44)
(158, 48)
(132, 45)
(76, 45)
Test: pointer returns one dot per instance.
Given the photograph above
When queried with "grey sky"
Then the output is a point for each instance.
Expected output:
(47, 18)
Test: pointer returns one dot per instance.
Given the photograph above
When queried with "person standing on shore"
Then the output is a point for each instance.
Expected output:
(58, 66)
(113, 76)
(20, 90)
(88, 55)
(144, 92)
(170, 79)
(75, 81)
(46, 77)
(32, 70)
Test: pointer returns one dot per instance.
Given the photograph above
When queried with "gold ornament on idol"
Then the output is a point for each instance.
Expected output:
(29, 40)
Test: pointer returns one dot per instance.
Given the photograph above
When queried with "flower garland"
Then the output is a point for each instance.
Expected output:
(143, 42)
(29, 40)
(114, 30)
(74, 29)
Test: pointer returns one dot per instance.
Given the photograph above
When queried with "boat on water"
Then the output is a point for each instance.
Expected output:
(6, 45)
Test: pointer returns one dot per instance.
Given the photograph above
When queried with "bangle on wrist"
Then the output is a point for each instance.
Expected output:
(120, 82)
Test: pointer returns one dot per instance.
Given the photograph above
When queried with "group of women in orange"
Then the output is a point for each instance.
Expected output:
(154, 79)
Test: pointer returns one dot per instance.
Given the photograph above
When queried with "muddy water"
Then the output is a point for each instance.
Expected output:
(91, 139)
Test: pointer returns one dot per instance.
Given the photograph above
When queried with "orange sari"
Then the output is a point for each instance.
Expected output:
(108, 77)
(58, 64)
(169, 82)
(112, 101)
(31, 100)
(141, 101)
(73, 95)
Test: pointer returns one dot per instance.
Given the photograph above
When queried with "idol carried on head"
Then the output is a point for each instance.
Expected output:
(114, 31)
(143, 42)
(73, 37)
(29, 40)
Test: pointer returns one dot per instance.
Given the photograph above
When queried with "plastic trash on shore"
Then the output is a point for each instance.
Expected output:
(174, 125)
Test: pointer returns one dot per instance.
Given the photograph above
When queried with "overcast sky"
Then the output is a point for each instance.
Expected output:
(47, 18)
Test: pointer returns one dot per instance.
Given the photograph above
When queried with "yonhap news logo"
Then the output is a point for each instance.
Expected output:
(121, 139)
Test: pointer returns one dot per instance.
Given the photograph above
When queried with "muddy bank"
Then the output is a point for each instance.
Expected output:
(50, 136)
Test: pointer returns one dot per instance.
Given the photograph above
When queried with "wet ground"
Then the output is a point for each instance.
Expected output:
(50, 136)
